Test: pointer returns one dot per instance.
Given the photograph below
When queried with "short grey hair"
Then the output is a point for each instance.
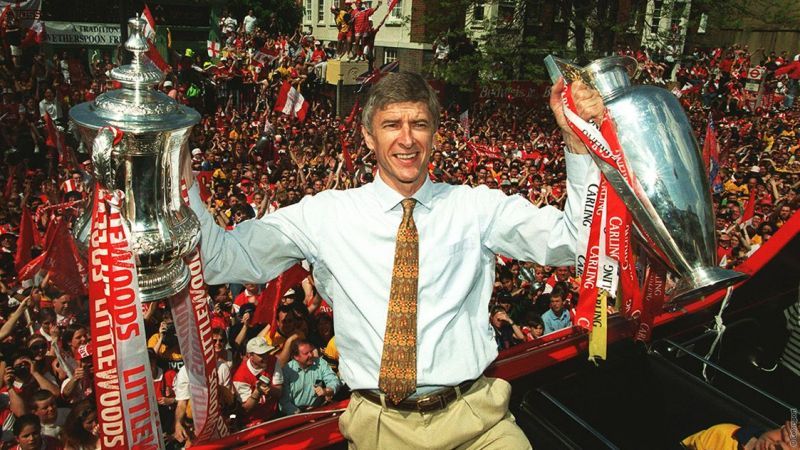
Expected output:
(400, 87)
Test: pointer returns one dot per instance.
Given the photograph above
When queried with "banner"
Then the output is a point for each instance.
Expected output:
(192, 317)
(485, 151)
(123, 380)
(193, 327)
(78, 33)
(26, 11)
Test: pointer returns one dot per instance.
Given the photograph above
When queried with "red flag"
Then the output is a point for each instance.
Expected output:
(56, 140)
(351, 117)
(291, 102)
(9, 189)
(156, 58)
(35, 34)
(150, 25)
(750, 208)
(27, 238)
(3, 16)
(348, 160)
(61, 259)
(267, 308)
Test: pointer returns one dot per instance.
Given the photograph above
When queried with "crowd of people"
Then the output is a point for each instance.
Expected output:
(251, 161)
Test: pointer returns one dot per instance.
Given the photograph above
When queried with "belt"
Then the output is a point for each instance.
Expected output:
(431, 402)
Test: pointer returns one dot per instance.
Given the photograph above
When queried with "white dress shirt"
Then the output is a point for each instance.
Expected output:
(349, 237)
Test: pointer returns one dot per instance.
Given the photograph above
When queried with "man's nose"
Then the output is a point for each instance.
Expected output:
(406, 137)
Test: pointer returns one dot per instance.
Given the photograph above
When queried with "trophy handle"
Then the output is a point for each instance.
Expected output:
(102, 148)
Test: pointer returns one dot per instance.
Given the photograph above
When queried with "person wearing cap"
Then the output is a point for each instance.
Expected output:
(442, 281)
(258, 382)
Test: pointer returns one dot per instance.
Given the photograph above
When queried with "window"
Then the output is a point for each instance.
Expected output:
(655, 19)
(307, 11)
(397, 12)
(389, 55)
(505, 13)
(678, 11)
(320, 10)
(478, 11)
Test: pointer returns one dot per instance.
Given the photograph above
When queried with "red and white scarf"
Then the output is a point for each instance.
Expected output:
(127, 412)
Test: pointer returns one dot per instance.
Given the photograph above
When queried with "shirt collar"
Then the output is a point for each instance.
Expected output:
(388, 198)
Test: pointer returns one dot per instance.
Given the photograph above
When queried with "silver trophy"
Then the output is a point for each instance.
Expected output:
(672, 203)
(145, 166)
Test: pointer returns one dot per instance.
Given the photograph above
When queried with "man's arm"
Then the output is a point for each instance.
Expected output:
(331, 380)
(256, 251)
(512, 226)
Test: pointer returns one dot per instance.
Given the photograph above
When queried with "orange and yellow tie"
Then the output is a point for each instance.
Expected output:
(398, 374)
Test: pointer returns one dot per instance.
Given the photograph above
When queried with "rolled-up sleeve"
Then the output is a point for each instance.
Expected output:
(255, 251)
(513, 227)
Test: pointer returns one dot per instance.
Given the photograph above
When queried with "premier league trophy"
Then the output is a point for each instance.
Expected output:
(672, 202)
(145, 166)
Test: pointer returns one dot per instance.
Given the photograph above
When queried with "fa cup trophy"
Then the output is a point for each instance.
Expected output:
(145, 166)
(672, 202)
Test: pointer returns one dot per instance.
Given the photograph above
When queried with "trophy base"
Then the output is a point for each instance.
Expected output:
(700, 282)
(164, 282)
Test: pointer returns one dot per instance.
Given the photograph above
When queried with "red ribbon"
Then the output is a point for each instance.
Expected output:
(611, 222)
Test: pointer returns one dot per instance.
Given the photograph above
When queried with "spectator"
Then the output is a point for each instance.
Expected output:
(28, 432)
(52, 417)
(258, 382)
(557, 317)
(506, 332)
(81, 431)
(309, 381)
(249, 22)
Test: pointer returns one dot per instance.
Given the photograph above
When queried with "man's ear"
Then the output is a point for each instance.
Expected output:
(368, 138)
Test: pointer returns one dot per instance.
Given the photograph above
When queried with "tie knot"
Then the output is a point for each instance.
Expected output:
(408, 207)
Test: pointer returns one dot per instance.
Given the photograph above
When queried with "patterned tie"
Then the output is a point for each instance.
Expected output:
(398, 375)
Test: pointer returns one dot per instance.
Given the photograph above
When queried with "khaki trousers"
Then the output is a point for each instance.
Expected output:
(479, 419)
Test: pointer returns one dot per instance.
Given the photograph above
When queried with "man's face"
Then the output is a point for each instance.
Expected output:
(259, 361)
(305, 355)
(785, 212)
(46, 410)
(402, 139)
(562, 273)
(556, 304)
(60, 304)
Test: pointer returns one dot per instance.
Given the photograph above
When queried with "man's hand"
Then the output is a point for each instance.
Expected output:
(8, 376)
(263, 388)
(589, 105)
(319, 391)
(180, 434)
(186, 170)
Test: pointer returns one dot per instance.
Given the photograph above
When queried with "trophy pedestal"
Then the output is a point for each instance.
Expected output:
(700, 282)
(344, 71)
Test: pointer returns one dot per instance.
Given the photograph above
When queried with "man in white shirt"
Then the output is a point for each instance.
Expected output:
(51, 105)
(249, 22)
(350, 236)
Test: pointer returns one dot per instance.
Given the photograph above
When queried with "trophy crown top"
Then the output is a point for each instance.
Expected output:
(140, 73)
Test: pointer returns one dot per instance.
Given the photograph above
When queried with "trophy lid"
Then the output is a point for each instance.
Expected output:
(136, 107)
